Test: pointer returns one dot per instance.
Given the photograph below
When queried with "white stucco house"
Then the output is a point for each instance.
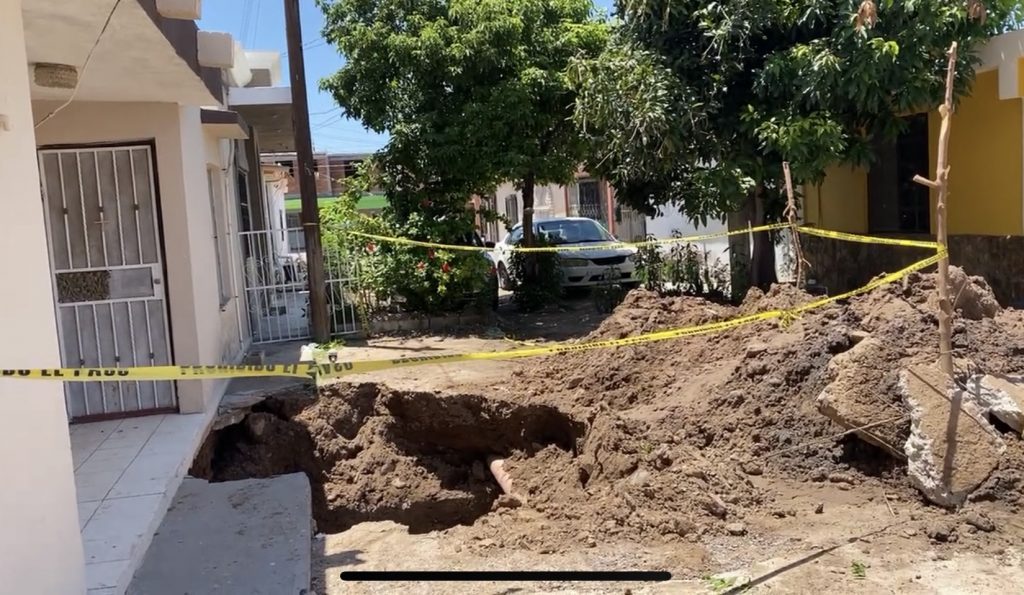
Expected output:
(130, 159)
(586, 196)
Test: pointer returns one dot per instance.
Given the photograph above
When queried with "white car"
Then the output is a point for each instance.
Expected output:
(580, 268)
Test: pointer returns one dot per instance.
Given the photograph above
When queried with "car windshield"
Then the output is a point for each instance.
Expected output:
(572, 231)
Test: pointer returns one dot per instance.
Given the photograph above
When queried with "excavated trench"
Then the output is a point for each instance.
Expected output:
(372, 453)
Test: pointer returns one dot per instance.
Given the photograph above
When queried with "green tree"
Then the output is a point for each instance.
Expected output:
(695, 105)
(472, 92)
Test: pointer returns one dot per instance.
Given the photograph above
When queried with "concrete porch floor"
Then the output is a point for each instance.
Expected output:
(126, 473)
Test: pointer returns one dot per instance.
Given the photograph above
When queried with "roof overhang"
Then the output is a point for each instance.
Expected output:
(142, 56)
(224, 124)
(269, 111)
(1004, 53)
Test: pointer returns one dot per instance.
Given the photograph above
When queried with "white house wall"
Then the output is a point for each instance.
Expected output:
(671, 221)
(220, 159)
(197, 323)
(549, 202)
(40, 545)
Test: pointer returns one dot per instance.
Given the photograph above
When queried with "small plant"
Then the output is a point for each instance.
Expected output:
(682, 269)
(717, 584)
(650, 266)
(610, 292)
(859, 570)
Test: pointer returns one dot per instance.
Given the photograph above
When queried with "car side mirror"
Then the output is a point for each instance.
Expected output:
(488, 244)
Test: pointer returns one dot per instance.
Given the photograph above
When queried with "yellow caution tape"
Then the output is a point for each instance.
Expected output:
(853, 237)
(339, 369)
(603, 246)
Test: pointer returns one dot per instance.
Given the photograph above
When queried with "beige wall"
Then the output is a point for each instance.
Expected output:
(40, 545)
(181, 164)
(220, 163)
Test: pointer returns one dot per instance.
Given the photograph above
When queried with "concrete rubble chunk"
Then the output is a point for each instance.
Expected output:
(928, 393)
(852, 401)
(973, 297)
(999, 396)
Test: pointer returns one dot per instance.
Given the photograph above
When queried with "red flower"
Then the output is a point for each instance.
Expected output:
(446, 268)
(421, 265)
(426, 202)
(492, 271)
(430, 254)
(371, 247)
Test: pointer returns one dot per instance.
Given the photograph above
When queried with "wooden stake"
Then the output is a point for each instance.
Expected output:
(940, 183)
(791, 216)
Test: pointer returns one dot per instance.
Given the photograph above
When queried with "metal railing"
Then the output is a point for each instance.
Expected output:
(277, 286)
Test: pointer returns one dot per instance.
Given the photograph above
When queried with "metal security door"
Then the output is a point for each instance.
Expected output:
(107, 266)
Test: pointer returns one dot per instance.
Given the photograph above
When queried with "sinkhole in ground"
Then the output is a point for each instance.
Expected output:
(372, 453)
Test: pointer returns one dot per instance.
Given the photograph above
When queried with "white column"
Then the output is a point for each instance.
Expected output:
(40, 543)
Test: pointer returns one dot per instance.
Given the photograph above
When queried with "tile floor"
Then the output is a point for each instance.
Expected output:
(127, 471)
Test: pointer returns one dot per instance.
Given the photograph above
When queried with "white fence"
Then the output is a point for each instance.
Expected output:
(277, 286)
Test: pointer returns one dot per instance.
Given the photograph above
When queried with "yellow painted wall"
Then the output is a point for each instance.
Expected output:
(986, 152)
(841, 202)
(985, 157)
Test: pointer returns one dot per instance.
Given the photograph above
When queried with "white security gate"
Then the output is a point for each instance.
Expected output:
(277, 286)
(107, 265)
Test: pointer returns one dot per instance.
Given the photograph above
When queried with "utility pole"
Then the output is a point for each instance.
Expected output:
(305, 171)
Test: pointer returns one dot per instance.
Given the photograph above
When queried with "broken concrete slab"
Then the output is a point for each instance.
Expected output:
(928, 393)
(852, 400)
(250, 536)
(999, 396)
(972, 297)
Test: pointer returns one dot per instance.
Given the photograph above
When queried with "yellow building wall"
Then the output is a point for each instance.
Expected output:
(985, 158)
(986, 154)
(840, 203)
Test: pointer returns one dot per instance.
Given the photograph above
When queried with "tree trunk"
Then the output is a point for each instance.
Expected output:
(762, 265)
(529, 183)
(739, 253)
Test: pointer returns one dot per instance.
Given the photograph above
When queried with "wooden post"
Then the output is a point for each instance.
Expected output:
(304, 169)
(940, 183)
(791, 216)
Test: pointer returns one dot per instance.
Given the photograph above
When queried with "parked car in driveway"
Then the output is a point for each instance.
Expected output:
(580, 268)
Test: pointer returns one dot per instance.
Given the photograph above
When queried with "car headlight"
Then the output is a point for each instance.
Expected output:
(575, 262)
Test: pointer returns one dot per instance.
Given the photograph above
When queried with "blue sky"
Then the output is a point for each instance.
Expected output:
(259, 25)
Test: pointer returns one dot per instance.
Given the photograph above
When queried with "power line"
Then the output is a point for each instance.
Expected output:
(333, 109)
(310, 45)
(246, 17)
(251, 39)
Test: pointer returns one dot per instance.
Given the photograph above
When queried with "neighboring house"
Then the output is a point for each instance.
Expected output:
(586, 197)
(331, 170)
(129, 185)
(986, 188)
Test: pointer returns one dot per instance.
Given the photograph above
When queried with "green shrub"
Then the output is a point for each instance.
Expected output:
(417, 279)
(682, 269)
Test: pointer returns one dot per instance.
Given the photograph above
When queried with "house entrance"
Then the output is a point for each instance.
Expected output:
(106, 260)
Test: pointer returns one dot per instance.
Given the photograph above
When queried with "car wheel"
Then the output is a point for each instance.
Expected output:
(504, 281)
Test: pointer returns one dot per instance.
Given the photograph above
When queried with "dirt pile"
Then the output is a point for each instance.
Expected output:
(666, 441)
(749, 401)
(372, 453)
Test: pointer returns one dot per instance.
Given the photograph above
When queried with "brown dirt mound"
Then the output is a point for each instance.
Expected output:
(662, 441)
